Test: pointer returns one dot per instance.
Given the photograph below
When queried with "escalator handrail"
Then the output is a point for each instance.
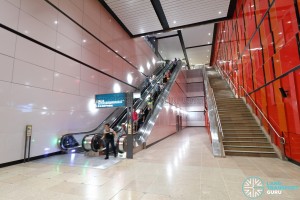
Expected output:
(165, 92)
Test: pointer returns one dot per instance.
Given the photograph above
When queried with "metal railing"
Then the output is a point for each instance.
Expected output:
(214, 119)
(282, 140)
(226, 76)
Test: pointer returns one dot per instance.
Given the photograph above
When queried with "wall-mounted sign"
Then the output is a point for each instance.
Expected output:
(110, 100)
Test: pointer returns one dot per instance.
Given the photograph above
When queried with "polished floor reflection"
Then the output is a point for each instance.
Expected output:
(180, 167)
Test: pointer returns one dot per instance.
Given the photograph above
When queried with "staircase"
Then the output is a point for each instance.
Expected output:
(242, 135)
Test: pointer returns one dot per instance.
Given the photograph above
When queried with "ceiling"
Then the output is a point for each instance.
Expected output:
(183, 28)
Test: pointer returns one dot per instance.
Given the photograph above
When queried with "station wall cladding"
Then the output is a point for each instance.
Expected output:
(55, 55)
(259, 49)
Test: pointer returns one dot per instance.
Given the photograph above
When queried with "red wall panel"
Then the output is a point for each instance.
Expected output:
(262, 43)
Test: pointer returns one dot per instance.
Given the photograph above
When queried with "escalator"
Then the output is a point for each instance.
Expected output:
(90, 140)
(95, 143)
(141, 136)
(143, 133)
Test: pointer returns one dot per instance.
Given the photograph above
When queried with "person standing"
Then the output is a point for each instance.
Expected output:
(135, 120)
(150, 102)
(108, 136)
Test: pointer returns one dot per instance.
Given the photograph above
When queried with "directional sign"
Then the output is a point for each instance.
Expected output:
(110, 100)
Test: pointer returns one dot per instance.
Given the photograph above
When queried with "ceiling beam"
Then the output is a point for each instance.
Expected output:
(168, 36)
(203, 45)
(160, 13)
(183, 48)
(212, 52)
(231, 8)
(184, 26)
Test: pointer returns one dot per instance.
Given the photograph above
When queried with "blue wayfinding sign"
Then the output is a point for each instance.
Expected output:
(110, 100)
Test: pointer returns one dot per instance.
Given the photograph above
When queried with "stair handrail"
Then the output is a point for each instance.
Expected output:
(282, 139)
(228, 78)
(209, 92)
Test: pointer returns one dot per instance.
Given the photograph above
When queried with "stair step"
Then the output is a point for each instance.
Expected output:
(222, 117)
(250, 153)
(243, 134)
(242, 122)
(249, 139)
(237, 129)
(249, 148)
(246, 143)
(226, 124)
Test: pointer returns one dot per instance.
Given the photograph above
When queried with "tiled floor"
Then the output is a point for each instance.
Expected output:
(180, 167)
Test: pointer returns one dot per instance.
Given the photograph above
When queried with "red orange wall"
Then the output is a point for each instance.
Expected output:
(259, 49)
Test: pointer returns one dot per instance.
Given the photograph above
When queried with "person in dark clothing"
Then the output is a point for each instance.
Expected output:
(108, 136)
(155, 96)
(146, 112)
(141, 119)
(165, 79)
(173, 67)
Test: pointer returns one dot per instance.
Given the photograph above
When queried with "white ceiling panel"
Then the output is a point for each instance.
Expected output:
(183, 12)
(137, 15)
(198, 35)
(199, 55)
(170, 48)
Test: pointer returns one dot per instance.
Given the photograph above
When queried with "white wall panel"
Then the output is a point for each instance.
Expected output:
(78, 3)
(28, 74)
(5, 94)
(90, 58)
(68, 46)
(70, 9)
(33, 53)
(16, 3)
(41, 11)
(88, 89)
(8, 43)
(6, 68)
(30, 26)
(89, 75)
(9, 14)
(67, 66)
(91, 9)
(64, 83)
(69, 29)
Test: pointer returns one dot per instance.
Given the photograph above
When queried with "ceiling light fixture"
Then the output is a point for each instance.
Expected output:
(220, 12)
(208, 33)
(174, 22)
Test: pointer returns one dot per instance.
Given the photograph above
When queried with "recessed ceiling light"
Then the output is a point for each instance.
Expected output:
(224, 31)
(208, 42)
(220, 12)
(55, 22)
(252, 6)
(289, 22)
(174, 22)
(208, 33)
(84, 41)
